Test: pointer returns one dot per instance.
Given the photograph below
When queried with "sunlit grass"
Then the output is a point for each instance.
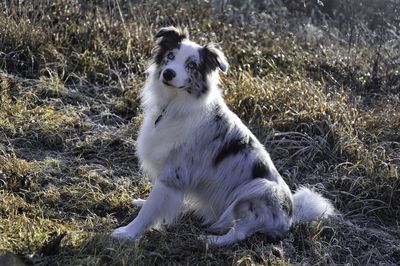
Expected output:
(326, 106)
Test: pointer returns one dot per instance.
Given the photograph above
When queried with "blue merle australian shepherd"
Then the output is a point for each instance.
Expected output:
(200, 156)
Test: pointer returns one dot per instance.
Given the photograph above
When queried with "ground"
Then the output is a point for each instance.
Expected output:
(318, 82)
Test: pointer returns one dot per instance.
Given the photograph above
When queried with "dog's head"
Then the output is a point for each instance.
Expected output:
(185, 65)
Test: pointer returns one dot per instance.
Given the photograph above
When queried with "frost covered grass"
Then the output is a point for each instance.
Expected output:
(320, 90)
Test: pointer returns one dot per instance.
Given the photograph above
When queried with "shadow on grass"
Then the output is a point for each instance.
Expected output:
(175, 245)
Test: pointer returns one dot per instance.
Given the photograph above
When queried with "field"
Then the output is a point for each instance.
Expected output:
(318, 82)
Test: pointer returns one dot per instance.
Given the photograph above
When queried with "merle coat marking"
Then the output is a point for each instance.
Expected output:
(195, 150)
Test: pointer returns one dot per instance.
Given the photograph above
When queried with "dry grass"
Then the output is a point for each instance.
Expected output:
(322, 92)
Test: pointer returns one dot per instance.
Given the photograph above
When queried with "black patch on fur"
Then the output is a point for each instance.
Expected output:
(274, 216)
(267, 202)
(158, 119)
(209, 61)
(260, 169)
(162, 51)
(251, 207)
(220, 125)
(171, 39)
(218, 113)
(187, 62)
(201, 87)
(233, 147)
(287, 205)
(204, 89)
(220, 135)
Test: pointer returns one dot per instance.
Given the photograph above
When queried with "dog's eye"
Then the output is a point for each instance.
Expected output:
(170, 56)
(192, 65)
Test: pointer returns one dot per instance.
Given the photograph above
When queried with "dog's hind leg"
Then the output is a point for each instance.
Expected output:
(224, 223)
(239, 232)
(249, 215)
(245, 219)
(163, 205)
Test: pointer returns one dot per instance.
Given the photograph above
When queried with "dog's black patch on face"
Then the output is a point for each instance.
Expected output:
(171, 38)
(287, 204)
(191, 65)
(209, 61)
(195, 83)
(199, 74)
(209, 56)
(231, 148)
(198, 85)
(162, 51)
(260, 169)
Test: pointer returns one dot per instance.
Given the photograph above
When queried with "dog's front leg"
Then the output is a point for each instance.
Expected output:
(163, 205)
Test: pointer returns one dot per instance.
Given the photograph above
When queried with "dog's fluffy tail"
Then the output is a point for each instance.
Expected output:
(309, 205)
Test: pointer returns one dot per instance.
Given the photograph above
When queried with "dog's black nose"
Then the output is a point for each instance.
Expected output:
(169, 74)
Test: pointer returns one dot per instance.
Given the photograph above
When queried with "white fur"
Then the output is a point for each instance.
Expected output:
(186, 50)
(179, 153)
(309, 205)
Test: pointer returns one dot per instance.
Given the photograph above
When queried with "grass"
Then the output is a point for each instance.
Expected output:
(320, 89)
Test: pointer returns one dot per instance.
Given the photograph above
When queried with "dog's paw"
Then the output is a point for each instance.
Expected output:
(138, 202)
(202, 238)
(209, 240)
(123, 233)
(213, 240)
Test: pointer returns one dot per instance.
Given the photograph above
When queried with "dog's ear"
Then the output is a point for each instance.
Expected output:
(171, 36)
(213, 57)
(172, 32)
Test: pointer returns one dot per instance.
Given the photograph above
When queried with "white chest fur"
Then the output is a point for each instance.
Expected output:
(157, 141)
(182, 114)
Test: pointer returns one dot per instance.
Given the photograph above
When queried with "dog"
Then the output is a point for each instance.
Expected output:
(201, 157)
